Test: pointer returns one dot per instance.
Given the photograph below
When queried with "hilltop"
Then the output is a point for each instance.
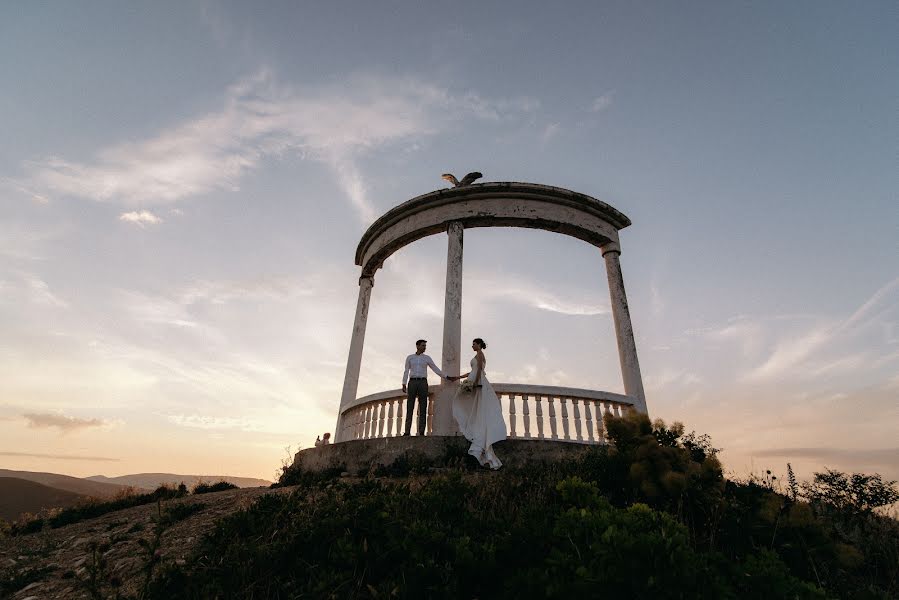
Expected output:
(19, 496)
(76, 485)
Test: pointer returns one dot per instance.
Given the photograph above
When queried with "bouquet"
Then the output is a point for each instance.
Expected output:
(467, 385)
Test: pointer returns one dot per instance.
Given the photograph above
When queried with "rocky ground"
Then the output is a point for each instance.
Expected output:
(73, 561)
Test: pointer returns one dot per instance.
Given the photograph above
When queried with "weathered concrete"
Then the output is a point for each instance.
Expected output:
(354, 360)
(359, 456)
(501, 204)
(443, 423)
(624, 331)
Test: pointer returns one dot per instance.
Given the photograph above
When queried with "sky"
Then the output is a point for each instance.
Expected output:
(183, 186)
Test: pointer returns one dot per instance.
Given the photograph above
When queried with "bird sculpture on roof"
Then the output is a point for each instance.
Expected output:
(467, 180)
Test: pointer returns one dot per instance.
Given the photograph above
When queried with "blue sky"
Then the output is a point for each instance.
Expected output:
(182, 187)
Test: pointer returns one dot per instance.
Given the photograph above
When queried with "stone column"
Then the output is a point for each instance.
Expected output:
(354, 360)
(452, 332)
(624, 331)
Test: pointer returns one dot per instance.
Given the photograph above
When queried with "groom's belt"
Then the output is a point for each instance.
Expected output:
(418, 378)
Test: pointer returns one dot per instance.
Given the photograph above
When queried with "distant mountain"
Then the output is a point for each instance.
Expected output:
(18, 496)
(151, 481)
(97, 489)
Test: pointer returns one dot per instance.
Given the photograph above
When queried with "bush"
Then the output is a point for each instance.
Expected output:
(206, 488)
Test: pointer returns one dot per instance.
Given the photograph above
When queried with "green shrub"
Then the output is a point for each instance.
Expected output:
(206, 488)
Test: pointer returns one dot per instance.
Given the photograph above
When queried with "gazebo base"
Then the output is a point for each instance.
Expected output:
(361, 456)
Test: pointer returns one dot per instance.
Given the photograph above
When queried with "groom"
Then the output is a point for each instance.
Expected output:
(417, 364)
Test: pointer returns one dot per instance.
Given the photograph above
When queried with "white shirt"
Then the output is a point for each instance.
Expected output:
(417, 365)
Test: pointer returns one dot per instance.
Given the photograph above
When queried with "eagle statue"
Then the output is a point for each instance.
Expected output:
(467, 180)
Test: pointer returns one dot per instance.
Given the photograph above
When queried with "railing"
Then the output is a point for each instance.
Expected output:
(530, 411)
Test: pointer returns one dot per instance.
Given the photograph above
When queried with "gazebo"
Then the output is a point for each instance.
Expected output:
(532, 411)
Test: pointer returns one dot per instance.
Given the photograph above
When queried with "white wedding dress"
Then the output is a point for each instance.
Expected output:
(480, 418)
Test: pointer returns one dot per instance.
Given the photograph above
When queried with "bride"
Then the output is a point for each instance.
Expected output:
(478, 412)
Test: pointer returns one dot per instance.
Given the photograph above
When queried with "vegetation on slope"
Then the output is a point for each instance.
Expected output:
(651, 516)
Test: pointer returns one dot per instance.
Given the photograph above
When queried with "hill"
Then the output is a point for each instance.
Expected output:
(19, 496)
(76, 485)
(150, 481)
(649, 516)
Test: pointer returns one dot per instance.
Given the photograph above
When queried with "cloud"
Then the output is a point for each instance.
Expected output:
(550, 131)
(540, 299)
(602, 102)
(63, 423)
(58, 456)
(142, 217)
(261, 118)
(204, 422)
(28, 288)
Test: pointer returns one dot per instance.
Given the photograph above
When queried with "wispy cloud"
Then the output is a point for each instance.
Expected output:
(58, 456)
(140, 217)
(63, 423)
(602, 102)
(206, 422)
(538, 298)
(262, 118)
(809, 351)
(550, 131)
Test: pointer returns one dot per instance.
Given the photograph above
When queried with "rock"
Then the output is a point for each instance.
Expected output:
(345, 474)
(30, 586)
(79, 562)
(79, 541)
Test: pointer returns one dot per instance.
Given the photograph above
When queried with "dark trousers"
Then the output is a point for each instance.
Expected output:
(417, 388)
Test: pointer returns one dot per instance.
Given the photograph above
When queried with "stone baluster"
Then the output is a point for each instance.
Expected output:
(600, 426)
(526, 415)
(390, 404)
(538, 402)
(565, 432)
(430, 423)
(588, 419)
(399, 416)
(512, 416)
(577, 419)
(552, 418)
(381, 419)
(609, 413)
(372, 417)
(363, 422)
(618, 410)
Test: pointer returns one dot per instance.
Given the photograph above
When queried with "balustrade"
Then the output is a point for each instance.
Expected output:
(381, 415)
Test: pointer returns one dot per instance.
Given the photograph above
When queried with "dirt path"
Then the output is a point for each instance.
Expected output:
(63, 556)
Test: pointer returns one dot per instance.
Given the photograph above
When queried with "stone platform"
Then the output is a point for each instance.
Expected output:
(359, 456)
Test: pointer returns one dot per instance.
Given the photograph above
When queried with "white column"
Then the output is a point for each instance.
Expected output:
(354, 360)
(452, 332)
(624, 331)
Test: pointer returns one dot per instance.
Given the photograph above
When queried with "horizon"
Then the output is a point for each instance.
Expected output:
(183, 187)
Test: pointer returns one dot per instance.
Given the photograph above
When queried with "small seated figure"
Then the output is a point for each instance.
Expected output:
(326, 439)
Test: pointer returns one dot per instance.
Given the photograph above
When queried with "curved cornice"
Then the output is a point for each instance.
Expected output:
(494, 204)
